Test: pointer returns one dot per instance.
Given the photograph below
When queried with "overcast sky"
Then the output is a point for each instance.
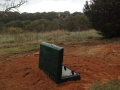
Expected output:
(51, 5)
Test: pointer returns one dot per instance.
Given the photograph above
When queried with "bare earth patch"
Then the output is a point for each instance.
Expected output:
(94, 63)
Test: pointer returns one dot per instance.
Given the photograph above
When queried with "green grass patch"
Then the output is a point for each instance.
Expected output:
(110, 85)
(28, 47)
(75, 42)
(18, 49)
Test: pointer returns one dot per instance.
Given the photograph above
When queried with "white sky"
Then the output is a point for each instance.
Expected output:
(52, 5)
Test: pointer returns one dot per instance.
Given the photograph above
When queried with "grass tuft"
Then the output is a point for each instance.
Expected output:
(18, 49)
(110, 85)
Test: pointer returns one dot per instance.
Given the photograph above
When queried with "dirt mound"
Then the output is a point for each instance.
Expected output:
(93, 63)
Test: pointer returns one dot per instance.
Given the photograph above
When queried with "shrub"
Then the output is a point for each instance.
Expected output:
(14, 30)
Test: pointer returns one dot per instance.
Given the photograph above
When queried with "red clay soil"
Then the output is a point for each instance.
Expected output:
(93, 63)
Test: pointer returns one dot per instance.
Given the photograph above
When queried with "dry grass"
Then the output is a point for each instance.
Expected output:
(57, 36)
(110, 85)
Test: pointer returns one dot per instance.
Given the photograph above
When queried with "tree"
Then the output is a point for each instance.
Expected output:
(77, 22)
(66, 13)
(82, 22)
(105, 16)
(1, 26)
(12, 5)
(33, 25)
(70, 24)
(17, 23)
(75, 13)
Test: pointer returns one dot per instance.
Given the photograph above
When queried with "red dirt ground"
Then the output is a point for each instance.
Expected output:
(94, 63)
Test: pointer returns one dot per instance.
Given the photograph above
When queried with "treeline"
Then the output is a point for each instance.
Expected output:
(41, 22)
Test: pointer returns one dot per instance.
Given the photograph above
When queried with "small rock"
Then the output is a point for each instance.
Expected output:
(114, 51)
(37, 53)
(110, 65)
(119, 77)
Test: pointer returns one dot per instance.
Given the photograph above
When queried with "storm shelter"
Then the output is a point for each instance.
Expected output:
(50, 62)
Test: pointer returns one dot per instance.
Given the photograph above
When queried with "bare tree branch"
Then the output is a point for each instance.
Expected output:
(12, 5)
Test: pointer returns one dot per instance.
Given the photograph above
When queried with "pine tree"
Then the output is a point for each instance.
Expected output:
(105, 16)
